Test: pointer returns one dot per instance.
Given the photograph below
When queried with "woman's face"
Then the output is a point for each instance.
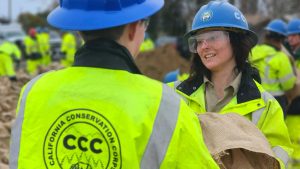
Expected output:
(215, 50)
(294, 41)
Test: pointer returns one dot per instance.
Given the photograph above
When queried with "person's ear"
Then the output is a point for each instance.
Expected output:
(132, 30)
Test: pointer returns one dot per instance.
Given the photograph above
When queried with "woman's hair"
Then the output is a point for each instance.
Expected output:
(241, 46)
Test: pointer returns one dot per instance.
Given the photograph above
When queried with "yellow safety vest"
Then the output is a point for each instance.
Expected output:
(11, 49)
(68, 46)
(101, 118)
(8, 52)
(147, 45)
(274, 68)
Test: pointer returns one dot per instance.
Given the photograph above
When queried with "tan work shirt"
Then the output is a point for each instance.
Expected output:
(213, 104)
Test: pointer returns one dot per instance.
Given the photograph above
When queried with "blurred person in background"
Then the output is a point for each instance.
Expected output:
(43, 38)
(102, 109)
(293, 113)
(179, 75)
(147, 44)
(223, 81)
(10, 56)
(33, 54)
(275, 68)
(175, 75)
(68, 48)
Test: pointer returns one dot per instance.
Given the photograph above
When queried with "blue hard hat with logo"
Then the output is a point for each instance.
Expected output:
(221, 14)
(278, 26)
(83, 15)
(293, 27)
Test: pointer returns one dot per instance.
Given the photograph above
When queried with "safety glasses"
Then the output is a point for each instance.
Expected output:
(207, 38)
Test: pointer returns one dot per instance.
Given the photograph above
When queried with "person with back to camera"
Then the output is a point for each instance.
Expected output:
(275, 68)
(99, 113)
(222, 80)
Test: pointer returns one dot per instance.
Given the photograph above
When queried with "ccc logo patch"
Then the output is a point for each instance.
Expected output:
(82, 138)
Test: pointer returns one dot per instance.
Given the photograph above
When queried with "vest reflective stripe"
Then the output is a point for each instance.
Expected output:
(257, 114)
(286, 78)
(281, 80)
(280, 153)
(161, 135)
(17, 128)
(276, 93)
(176, 83)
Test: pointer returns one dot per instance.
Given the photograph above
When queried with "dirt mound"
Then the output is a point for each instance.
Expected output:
(9, 94)
(155, 64)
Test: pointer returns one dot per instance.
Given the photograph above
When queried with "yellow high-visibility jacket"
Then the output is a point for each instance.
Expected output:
(275, 69)
(95, 117)
(8, 53)
(68, 46)
(252, 102)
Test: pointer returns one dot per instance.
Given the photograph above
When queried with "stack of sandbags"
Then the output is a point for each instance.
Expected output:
(240, 146)
(52, 66)
(9, 93)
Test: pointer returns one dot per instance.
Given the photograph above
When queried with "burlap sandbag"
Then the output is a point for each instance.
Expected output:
(236, 143)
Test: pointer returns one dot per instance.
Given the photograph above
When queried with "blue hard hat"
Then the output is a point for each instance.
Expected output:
(293, 27)
(171, 76)
(83, 15)
(221, 14)
(278, 26)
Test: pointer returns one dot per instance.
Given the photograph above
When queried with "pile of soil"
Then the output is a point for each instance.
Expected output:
(155, 64)
(9, 93)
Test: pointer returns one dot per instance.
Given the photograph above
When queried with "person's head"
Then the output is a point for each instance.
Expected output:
(293, 33)
(219, 39)
(276, 32)
(123, 21)
(32, 32)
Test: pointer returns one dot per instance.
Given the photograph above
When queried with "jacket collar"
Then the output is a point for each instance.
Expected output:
(247, 90)
(104, 53)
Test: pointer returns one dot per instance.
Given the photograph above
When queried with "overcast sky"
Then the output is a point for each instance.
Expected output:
(20, 6)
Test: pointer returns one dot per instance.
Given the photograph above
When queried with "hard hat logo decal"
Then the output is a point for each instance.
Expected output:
(82, 138)
(206, 16)
(240, 16)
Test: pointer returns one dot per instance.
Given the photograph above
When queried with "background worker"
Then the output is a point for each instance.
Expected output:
(221, 78)
(43, 38)
(274, 66)
(68, 48)
(9, 54)
(32, 51)
(293, 113)
(148, 44)
(101, 108)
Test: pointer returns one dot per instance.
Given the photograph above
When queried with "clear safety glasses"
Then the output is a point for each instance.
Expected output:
(208, 38)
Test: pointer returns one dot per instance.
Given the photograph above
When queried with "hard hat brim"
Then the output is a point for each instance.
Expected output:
(83, 20)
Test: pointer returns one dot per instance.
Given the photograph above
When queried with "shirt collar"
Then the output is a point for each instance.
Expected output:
(234, 84)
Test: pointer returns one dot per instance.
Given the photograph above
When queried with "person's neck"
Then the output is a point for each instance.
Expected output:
(222, 79)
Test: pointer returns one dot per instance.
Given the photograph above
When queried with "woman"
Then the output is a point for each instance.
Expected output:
(221, 78)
